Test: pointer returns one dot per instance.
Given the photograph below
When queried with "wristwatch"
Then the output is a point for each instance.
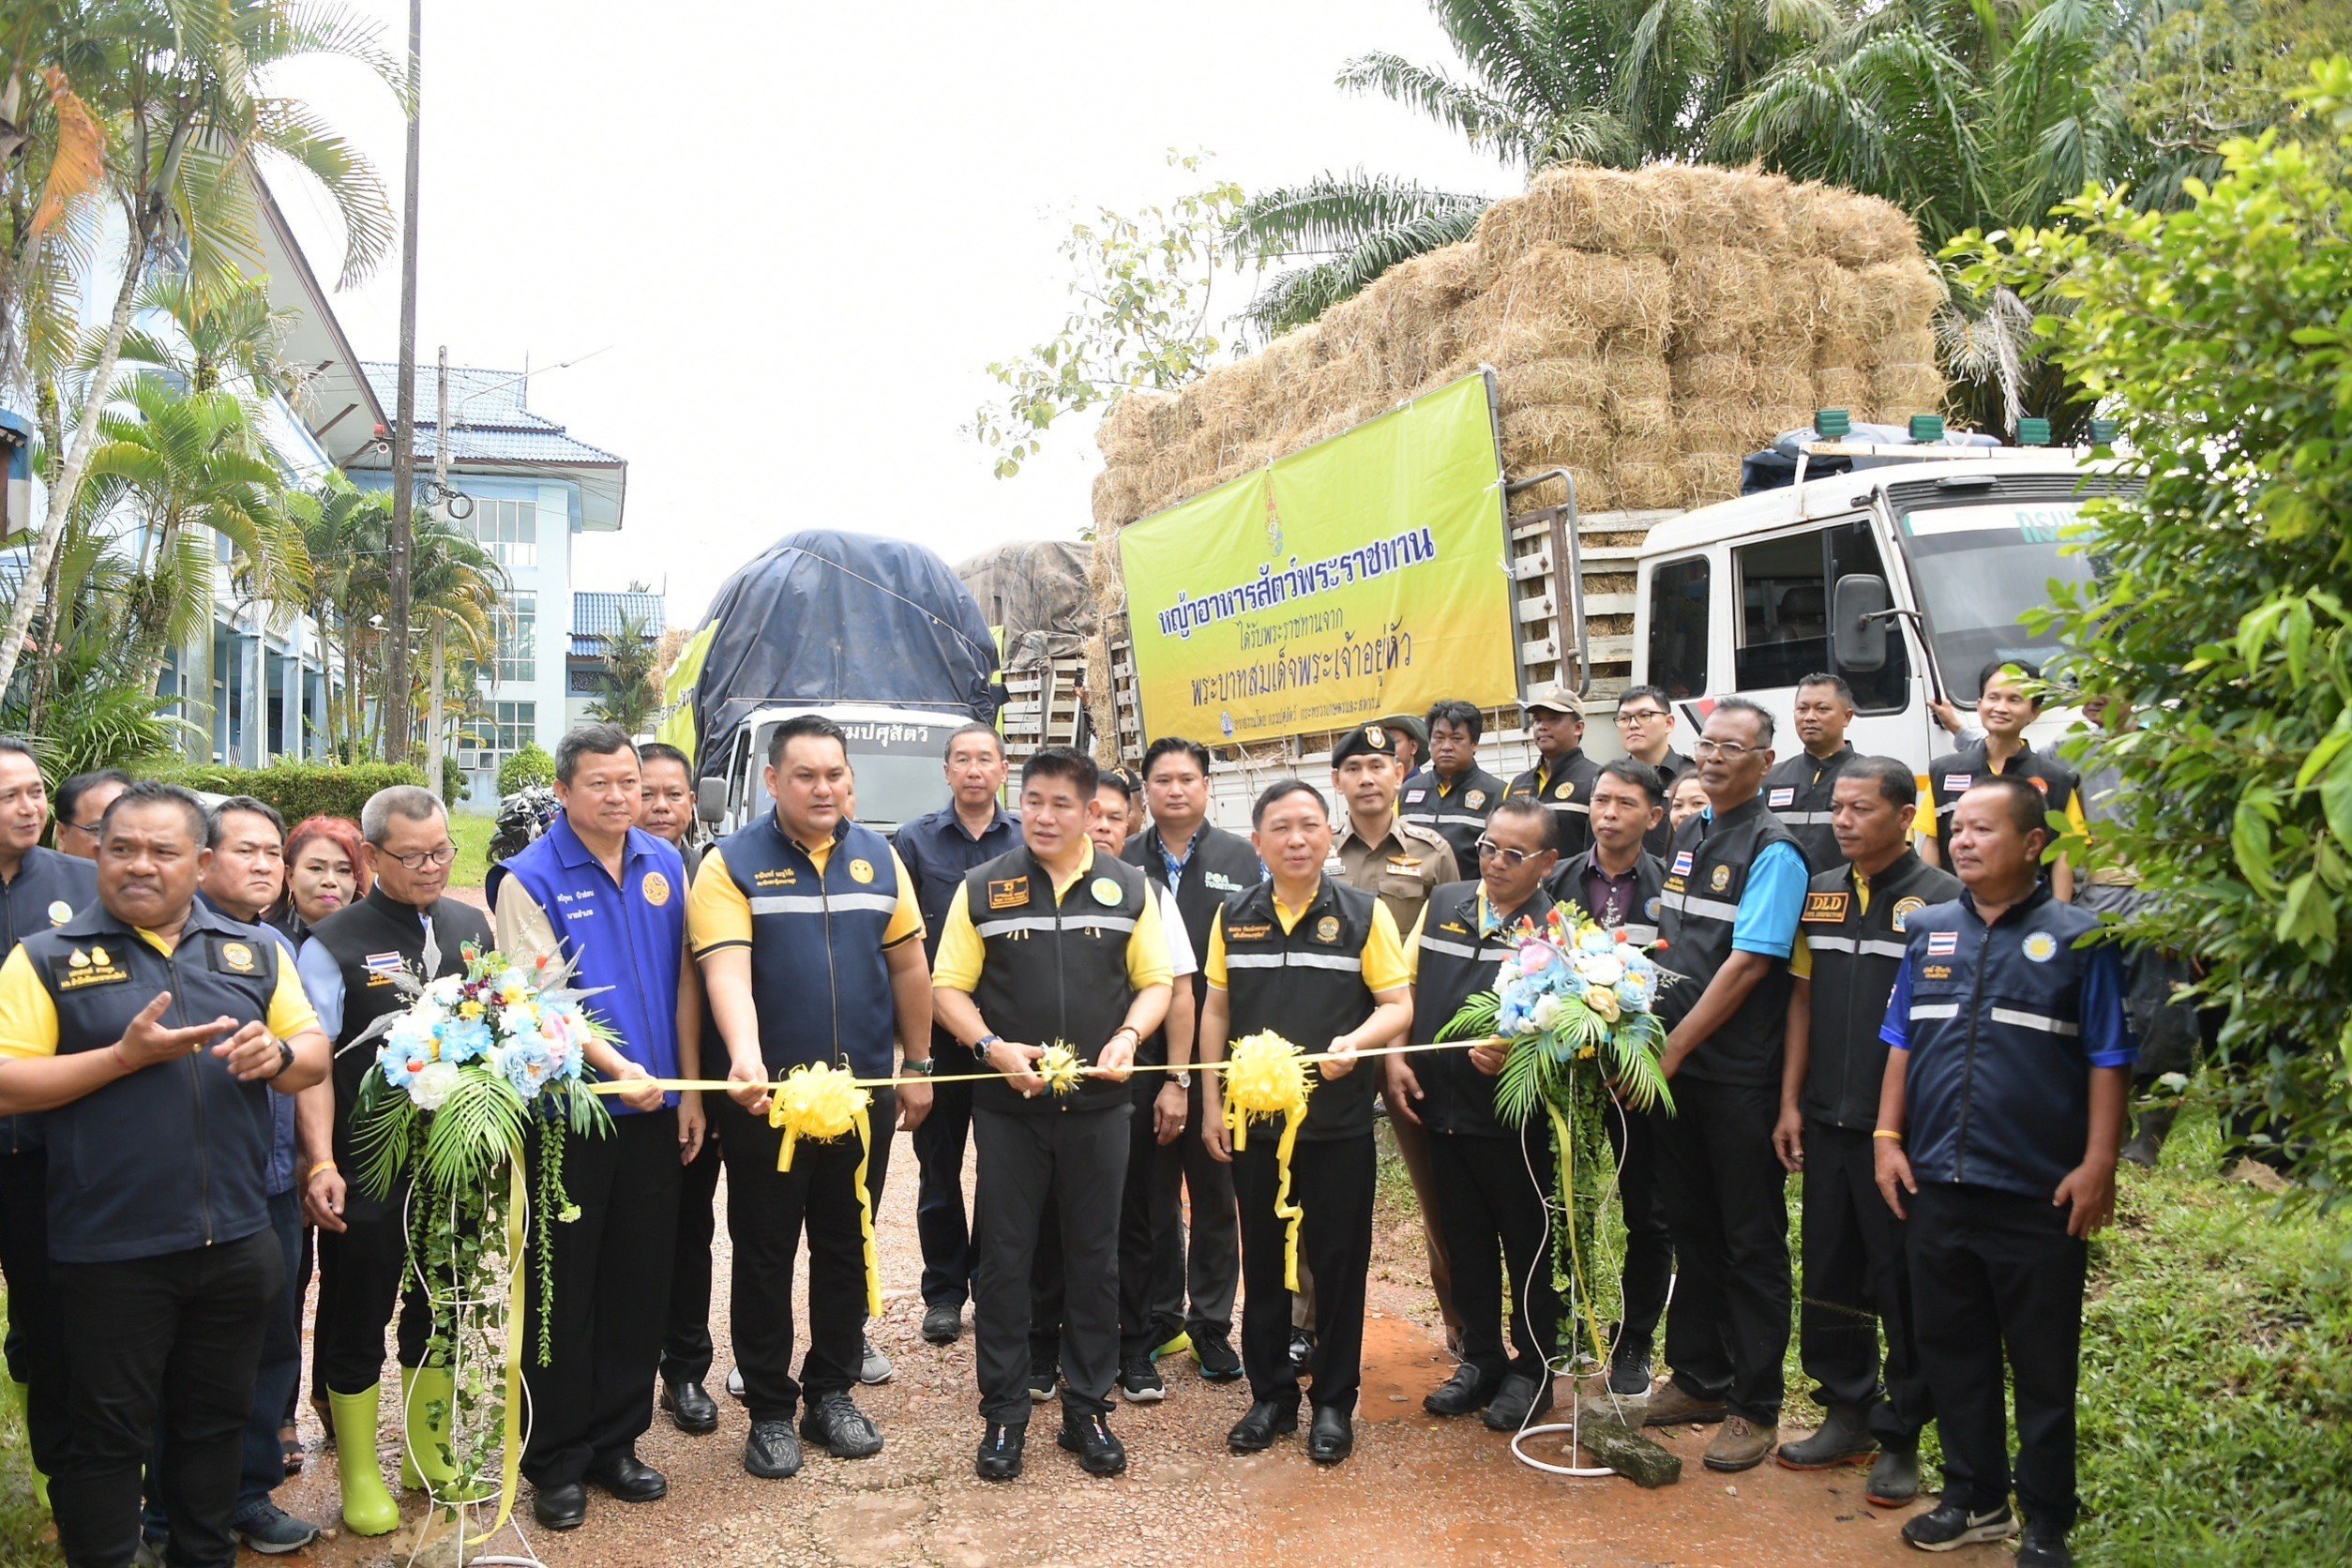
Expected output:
(924, 1068)
(980, 1048)
(285, 1058)
(1181, 1080)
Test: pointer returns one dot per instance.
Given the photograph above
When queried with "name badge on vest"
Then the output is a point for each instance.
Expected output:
(1782, 797)
(86, 967)
(1249, 933)
(1825, 908)
(1010, 893)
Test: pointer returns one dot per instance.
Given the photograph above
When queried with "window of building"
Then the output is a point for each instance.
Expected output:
(510, 529)
(1677, 627)
(518, 621)
(512, 726)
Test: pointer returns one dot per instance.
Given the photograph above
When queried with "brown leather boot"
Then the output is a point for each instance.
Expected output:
(1741, 1444)
(1669, 1405)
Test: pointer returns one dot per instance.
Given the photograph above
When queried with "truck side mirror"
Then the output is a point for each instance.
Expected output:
(1859, 628)
(710, 798)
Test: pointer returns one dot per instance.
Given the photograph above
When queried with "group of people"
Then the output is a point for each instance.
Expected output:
(1936, 1052)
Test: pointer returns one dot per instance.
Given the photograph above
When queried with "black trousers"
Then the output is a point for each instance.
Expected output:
(1648, 1275)
(1856, 1279)
(1332, 1182)
(1493, 1203)
(1138, 1331)
(686, 1342)
(1076, 1160)
(278, 1375)
(767, 1211)
(36, 1356)
(1996, 1276)
(1728, 1329)
(1194, 1280)
(175, 1340)
(595, 1397)
(362, 1273)
(946, 1237)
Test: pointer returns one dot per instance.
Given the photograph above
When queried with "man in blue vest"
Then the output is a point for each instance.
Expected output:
(600, 893)
(810, 943)
(39, 888)
(2001, 1119)
(153, 1030)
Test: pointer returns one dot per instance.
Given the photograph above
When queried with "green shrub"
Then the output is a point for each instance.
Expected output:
(300, 790)
(452, 780)
(525, 768)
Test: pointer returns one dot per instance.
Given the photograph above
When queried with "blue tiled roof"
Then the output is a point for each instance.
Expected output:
(598, 616)
(489, 415)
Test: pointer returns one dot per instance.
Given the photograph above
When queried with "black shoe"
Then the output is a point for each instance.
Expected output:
(734, 1382)
(1894, 1478)
(840, 1428)
(1141, 1382)
(1949, 1524)
(1089, 1437)
(563, 1507)
(2043, 1549)
(691, 1408)
(1218, 1363)
(1467, 1390)
(1302, 1352)
(1000, 1452)
(872, 1366)
(1045, 1371)
(629, 1478)
(1842, 1438)
(942, 1321)
(1629, 1368)
(1333, 1437)
(1520, 1400)
(1255, 1433)
(771, 1452)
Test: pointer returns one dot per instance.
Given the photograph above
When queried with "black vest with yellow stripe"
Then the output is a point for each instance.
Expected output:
(1705, 874)
(1054, 972)
(173, 1156)
(820, 977)
(1307, 985)
(1455, 962)
(1857, 952)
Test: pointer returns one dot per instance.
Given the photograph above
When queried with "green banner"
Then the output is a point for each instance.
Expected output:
(1363, 576)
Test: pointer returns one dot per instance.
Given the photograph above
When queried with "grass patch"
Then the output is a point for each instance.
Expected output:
(471, 835)
(24, 1531)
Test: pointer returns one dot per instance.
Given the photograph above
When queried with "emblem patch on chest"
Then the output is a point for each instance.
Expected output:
(1943, 945)
(235, 958)
(1958, 783)
(1327, 928)
(1566, 791)
(382, 967)
(1682, 864)
(1782, 797)
(1475, 800)
(655, 887)
(1107, 892)
(1010, 893)
(1721, 879)
(95, 966)
(2041, 947)
(1826, 909)
(1904, 908)
(861, 871)
(59, 913)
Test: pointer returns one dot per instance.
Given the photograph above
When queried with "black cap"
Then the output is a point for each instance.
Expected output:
(1373, 739)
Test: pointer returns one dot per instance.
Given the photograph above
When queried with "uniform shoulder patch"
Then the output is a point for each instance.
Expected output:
(1826, 909)
(1011, 893)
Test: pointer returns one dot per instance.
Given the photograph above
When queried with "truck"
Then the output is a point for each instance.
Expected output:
(876, 634)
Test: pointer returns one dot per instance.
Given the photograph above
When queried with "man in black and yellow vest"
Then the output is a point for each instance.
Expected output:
(347, 967)
(810, 941)
(1453, 795)
(1849, 948)
(1051, 946)
(151, 1032)
(1562, 775)
(1798, 790)
(1319, 963)
(2009, 700)
(1734, 888)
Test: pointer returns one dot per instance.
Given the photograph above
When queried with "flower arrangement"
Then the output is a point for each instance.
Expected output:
(1574, 1003)
(481, 1069)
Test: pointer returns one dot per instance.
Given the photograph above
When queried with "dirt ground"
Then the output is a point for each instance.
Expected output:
(1417, 1489)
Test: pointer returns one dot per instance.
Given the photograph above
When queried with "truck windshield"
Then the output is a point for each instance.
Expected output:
(1981, 567)
(897, 767)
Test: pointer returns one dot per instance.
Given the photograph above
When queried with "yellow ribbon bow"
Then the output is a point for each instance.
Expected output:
(820, 1102)
(1265, 1075)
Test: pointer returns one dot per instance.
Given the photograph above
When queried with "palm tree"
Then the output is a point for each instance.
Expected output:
(181, 92)
(232, 332)
(179, 464)
(346, 534)
(629, 698)
(1542, 82)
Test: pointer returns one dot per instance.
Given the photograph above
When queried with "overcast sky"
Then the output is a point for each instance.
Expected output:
(794, 235)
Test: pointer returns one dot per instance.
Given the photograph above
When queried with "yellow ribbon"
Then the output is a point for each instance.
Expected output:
(820, 1102)
(1267, 1076)
(511, 1464)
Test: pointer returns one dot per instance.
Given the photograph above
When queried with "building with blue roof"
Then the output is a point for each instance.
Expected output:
(596, 617)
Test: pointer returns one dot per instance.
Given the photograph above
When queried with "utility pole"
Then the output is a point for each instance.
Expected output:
(441, 507)
(396, 679)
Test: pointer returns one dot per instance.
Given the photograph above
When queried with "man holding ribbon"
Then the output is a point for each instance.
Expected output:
(1052, 960)
(601, 893)
(811, 941)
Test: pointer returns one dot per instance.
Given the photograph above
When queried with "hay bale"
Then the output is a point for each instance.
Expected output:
(1896, 296)
(1861, 231)
(1784, 387)
(1129, 428)
(1714, 376)
(1846, 389)
(1586, 286)
(1593, 492)
(1579, 208)
(1914, 346)
(1702, 203)
(1565, 379)
(1706, 477)
(1640, 482)
(1903, 390)
(1648, 421)
(1118, 498)
(1554, 433)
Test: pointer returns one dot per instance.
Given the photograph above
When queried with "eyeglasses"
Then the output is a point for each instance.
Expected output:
(438, 857)
(90, 828)
(1511, 859)
(1639, 716)
(1731, 751)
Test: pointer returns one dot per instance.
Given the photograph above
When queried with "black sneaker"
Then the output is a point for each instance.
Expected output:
(942, 1321)
(771, 1452)
(1045, 1372)
(1089, 1437)
(1218, 1362)
(837, 1425)
(264, 1527)
(1629, 1368)
(1949, 1524)
(1000, 1452)
(1141, 1382)
(2044, 1548)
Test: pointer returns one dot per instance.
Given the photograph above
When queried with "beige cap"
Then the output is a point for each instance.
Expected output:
(1552, 695)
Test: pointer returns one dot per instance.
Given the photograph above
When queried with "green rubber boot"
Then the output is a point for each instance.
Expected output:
(367, 1505)
(426, 1455)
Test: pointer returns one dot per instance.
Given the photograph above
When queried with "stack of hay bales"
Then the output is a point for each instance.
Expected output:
(1648, 329)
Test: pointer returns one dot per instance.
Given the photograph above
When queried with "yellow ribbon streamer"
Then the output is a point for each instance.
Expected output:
(1267, 1076)
(510, 1463)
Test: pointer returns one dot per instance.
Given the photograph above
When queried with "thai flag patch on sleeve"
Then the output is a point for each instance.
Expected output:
(1682, 865)
(1943, 945)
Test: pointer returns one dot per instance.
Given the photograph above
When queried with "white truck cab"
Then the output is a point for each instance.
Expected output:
(1905, 577)
(896, 757)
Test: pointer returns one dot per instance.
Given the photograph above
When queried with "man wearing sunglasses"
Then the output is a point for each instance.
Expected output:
(347, 967)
